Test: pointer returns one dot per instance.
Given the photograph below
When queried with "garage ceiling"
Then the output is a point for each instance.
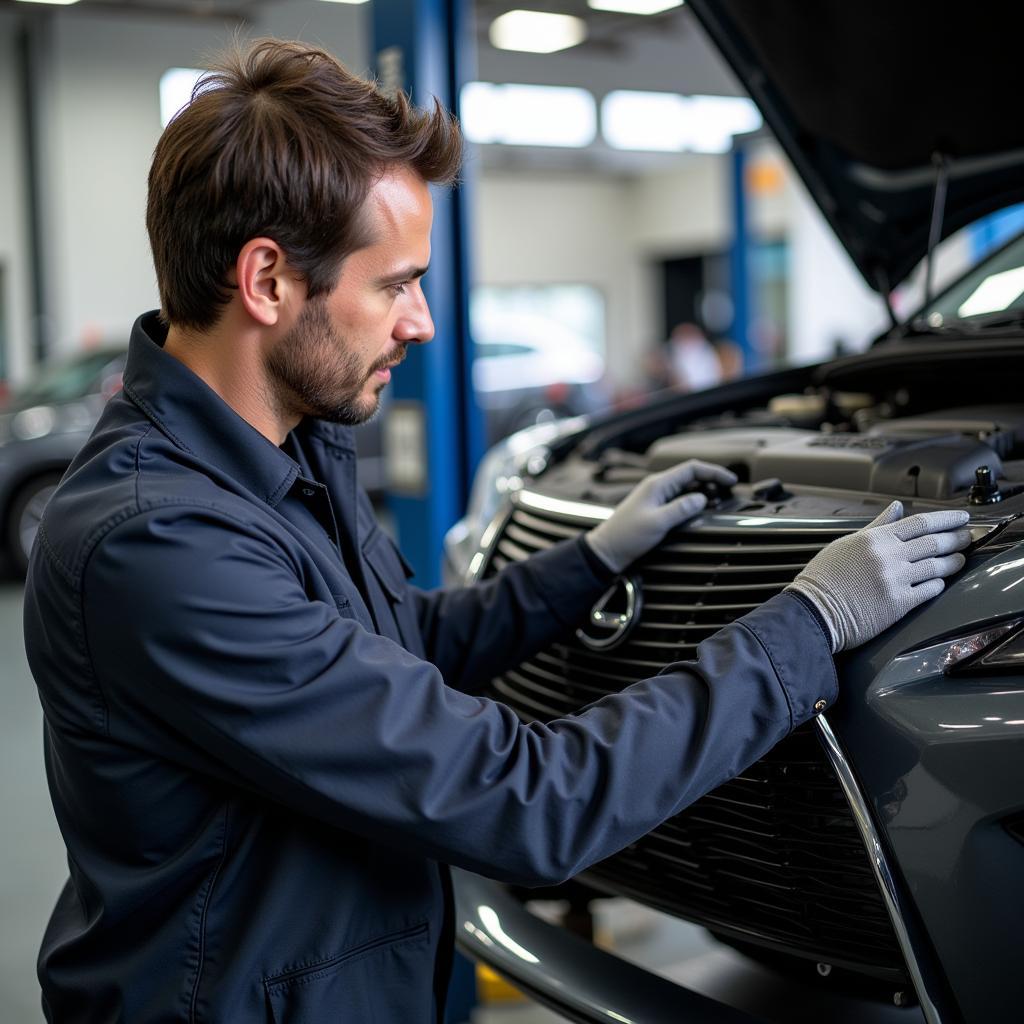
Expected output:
(665, 52)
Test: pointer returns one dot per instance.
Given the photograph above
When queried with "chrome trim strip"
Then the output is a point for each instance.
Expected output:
(488, 540)
(560, 507)
(592, 512)
(879, 862)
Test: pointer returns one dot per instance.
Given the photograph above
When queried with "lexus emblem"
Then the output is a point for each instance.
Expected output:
(612, 619)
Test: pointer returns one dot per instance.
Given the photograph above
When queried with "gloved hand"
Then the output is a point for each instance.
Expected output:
(863, 583)
(652, 509)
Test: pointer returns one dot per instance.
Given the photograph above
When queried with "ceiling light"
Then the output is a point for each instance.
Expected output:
(536, 32)
(644, 120)
(714, 120)
(669, 123)
(634, 6)
(528, 115)
(62, 3)
(346, 1)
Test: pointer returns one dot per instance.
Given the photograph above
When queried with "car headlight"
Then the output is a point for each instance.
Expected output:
(35, 422)
(997, 649)
(499, 474)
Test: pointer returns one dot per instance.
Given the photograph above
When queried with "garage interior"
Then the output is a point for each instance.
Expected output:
(590, 253)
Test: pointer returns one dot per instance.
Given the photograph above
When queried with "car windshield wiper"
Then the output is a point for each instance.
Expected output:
(1006, 320)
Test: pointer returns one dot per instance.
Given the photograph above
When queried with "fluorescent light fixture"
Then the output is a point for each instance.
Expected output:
(62, 3)
(994, 294)
(714, 120)
(176, 85)
(536, 32)
(634, 6)
(669, 123)
(346, 1)
(528, 115)
(644, 120)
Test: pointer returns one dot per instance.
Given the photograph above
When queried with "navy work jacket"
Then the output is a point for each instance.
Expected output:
(263, 744)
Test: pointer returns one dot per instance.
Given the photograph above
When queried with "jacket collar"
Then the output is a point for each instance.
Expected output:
(201, 423)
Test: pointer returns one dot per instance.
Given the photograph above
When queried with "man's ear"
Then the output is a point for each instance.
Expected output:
(267, 286)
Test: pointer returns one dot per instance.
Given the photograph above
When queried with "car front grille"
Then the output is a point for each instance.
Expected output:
(772, 858)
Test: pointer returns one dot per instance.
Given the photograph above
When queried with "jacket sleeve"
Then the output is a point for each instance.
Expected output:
(476, 632)
(209, 652)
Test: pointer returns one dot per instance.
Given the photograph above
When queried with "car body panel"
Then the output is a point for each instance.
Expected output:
(942, 758)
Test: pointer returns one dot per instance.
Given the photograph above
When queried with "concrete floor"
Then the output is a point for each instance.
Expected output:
(33, 870)
(32, 861)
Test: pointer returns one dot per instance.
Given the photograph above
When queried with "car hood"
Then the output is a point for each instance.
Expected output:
(865, 96)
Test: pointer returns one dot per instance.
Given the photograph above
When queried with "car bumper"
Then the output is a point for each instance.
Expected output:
(565, 972)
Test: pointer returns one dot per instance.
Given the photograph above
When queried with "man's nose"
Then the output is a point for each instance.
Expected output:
(416, 325)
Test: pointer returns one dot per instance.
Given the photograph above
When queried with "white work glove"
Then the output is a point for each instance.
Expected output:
(863, 583)
(652, 509)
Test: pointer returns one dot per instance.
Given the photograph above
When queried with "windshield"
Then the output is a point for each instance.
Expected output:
(69, 379)
(993, 289)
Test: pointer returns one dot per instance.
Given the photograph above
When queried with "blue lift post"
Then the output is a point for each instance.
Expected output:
(433, 429)
(739, 262)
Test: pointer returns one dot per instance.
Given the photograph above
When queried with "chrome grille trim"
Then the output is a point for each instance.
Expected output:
(879, 863)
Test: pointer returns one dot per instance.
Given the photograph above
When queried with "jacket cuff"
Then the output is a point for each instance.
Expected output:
(601, 570)
(798, 645)
(569, 578)
(815, 612)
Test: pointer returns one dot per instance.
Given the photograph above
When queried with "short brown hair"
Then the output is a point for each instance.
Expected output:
(279, 140)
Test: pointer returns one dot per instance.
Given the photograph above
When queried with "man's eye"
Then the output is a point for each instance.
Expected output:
(398, 289)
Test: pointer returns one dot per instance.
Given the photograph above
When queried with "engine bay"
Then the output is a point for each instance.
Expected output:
(823, 452)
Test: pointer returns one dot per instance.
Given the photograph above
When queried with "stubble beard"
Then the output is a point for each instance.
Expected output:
(314, 372)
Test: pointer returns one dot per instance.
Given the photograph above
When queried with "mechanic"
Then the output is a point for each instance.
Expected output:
(264, 746)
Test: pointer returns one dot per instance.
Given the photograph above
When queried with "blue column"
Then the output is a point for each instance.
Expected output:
(424, 47)
(739, 263)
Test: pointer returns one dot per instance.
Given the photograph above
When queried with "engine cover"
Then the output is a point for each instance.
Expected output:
(912, 467)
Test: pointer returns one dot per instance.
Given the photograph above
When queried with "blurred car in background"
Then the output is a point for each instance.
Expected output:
(528, 369)
(42, 426)
(44, 423)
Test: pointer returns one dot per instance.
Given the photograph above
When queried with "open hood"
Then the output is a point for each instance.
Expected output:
(864, 96)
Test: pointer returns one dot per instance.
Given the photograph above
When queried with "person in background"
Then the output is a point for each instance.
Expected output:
(693, 362)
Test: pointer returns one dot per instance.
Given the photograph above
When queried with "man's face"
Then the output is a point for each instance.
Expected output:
(334, 363)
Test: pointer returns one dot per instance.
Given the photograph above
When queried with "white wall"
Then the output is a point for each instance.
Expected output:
(613, 231)
(828, 298)
(534, 229)
(17, 326)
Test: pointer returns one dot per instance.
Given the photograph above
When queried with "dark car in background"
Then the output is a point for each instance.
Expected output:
(46, 422)
(42, 426)
(871, 866)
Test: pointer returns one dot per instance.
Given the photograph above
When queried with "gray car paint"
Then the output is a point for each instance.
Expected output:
(941, 758)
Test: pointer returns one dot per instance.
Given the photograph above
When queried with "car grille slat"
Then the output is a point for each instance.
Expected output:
(528, 538)
(544, 527)
(772, 857)
(718, 568)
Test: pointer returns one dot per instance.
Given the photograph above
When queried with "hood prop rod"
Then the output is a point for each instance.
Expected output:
(938, 211)
(882, 284)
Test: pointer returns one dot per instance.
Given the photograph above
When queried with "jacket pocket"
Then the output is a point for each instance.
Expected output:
(386, 979)
(388, 565)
